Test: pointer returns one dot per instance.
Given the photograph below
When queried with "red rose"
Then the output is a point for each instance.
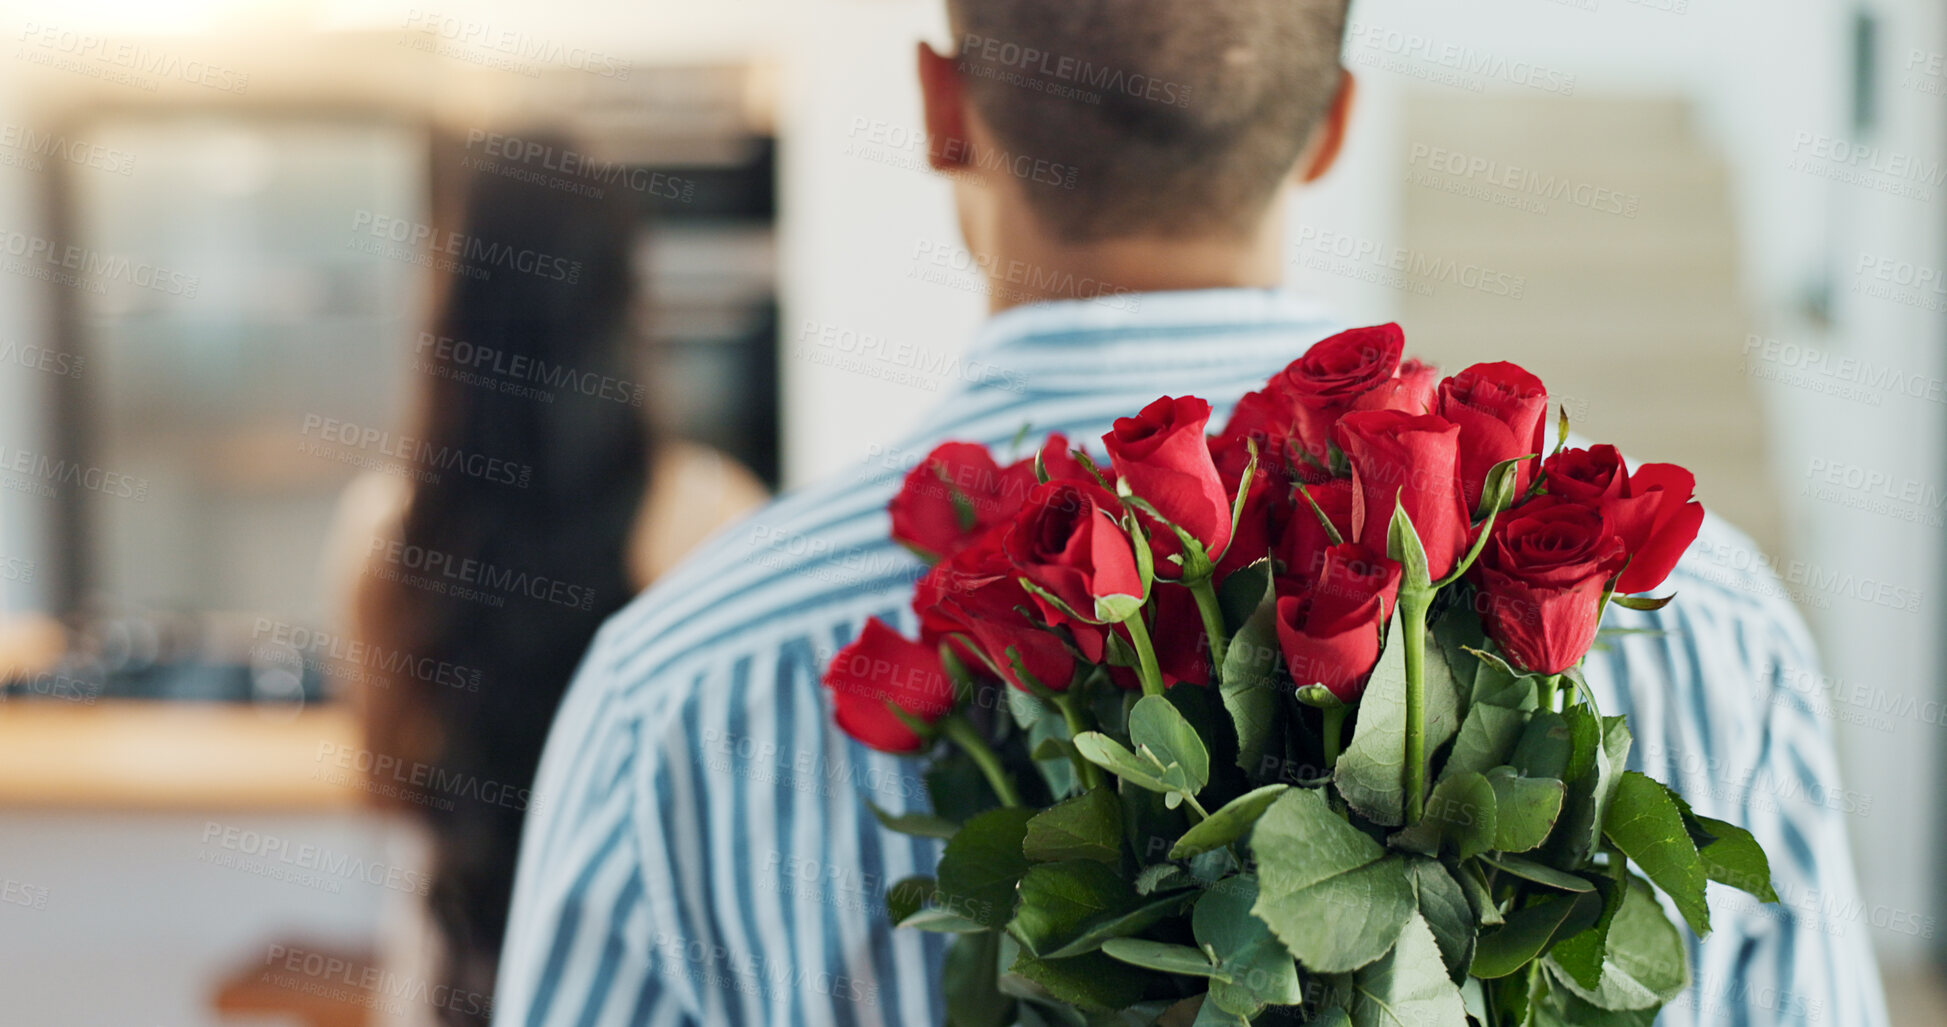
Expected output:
(1164, 457)
(1593, 477)
(1411, 389)
(1066, 540)
(1302, 546)
(1541, 578)
(878, 668)
(1411, 457)
(1334, 375)
(1651, 510)
(949, 499)
(1264, 417)
(1502, 411)
(1658, 535)
(1331, 635)
(975, 595)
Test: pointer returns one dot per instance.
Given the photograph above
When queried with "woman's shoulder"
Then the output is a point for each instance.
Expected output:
(694, 491)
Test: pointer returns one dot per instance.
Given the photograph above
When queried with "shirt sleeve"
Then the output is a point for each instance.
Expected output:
(1723, 694)
(1808, 959)
(580, 946)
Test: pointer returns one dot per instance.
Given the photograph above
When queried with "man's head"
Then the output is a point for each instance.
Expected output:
(1157, 119)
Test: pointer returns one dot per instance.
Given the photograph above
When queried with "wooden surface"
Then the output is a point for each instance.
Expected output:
(174, 756)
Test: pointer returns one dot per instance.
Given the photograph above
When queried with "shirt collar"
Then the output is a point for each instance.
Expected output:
(1149, 329)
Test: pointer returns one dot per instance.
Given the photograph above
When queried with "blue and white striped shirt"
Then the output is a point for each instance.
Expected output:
(699, 850)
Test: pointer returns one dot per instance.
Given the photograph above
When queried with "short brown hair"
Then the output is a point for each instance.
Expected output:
(1151, 117)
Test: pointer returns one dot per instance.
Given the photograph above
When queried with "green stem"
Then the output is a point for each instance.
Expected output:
(1550, 685)
(1089, 773)
(1151, 673)
(963, 735)
(1413, 605)
(1195, 806)
(1334, 728)
(1213, 621)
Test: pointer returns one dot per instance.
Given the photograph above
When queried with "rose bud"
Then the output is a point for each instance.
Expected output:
(1541, 578)
(1651, 510)
(1182, 650)
(1331, 635)
(975, 594)
(1066, 541)
(1332, 377)
(1414, 459)
(1302, 546)
(949, 499)
(878, 668)
(1502, 411)
(1264, 510)
(1163, 456)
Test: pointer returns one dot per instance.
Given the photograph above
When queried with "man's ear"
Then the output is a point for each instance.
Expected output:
(1329, 136)
(944, 96)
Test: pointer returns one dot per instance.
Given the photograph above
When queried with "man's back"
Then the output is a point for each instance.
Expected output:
(700, 849)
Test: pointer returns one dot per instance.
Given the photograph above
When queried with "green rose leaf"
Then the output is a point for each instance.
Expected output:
(1088, 826)
(1093, 983)
(941, 921)
(1229, 823)
(1059, 900)
(1736, 859)
(1540, 873)
(972, 1000)
(1408, 987)
(1528, 931)
(1444, 907)
(1122, 925)
(1731, 856)
(1581, 955)
(1109, 754)
(1242, 593)
(1525, 809)
(921, 825)
(1328, 891)
(1473, 881)
(1249, 677)
(1159, 877)
(1461, 813)
(1161, 957)
(981, 864)
(1590, 792)
(1370, 771)
(908, 896)
(1259, 970)
(1157, 725)
(1645, 823)
(1644, 964)
(1545, 746)
(1557, 1007)
(1486, 736)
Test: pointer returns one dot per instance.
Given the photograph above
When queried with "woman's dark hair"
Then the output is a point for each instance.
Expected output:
(538, 460)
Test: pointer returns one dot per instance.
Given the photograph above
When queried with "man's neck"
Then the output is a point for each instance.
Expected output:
(1029, 268)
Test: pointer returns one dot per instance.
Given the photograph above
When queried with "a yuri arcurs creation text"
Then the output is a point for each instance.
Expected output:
(1284, 724)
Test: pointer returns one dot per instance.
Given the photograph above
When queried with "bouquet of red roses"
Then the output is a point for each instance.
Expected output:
(1284, 724)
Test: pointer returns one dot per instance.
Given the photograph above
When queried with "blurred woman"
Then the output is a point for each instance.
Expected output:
(537, 460)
